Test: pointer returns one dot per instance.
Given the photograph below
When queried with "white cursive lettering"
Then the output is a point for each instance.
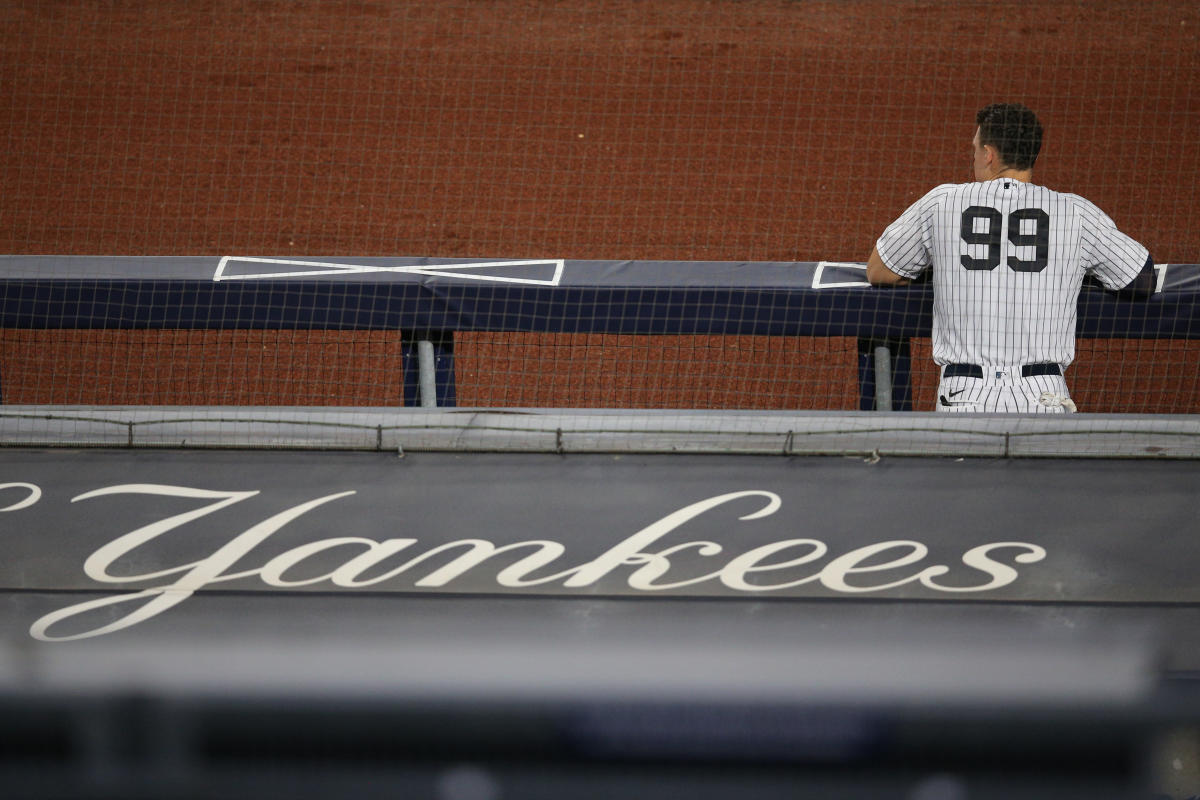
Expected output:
(197, 574)
(35, 494)
(648, 564)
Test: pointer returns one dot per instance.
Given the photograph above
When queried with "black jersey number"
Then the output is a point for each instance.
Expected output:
(992, 235)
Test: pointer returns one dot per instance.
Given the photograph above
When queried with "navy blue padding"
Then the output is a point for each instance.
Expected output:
(614, 297)
(346, 305)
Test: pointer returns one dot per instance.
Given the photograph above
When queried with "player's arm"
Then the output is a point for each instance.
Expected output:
(1144, 284)
(879, 275)
(906, 244)
(1112, 257)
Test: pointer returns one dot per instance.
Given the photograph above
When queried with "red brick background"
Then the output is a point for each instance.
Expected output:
(679, 129)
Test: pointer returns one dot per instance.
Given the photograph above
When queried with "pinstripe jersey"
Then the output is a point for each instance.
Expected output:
(1008, 262)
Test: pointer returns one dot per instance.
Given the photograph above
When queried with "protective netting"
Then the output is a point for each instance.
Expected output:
(611, 129)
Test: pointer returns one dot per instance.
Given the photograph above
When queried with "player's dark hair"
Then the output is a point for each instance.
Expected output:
(1013, 130)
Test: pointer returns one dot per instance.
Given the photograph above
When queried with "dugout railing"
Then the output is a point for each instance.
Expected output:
(431, 301)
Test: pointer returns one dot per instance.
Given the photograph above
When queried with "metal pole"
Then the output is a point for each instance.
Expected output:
(427, 371)
(883, 378)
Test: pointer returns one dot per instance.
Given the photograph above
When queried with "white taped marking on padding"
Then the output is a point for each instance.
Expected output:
(821, 265)
(436, 270)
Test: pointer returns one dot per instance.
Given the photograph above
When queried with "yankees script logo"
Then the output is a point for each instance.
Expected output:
(369, 562)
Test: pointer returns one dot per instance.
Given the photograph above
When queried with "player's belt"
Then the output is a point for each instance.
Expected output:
(976, 371)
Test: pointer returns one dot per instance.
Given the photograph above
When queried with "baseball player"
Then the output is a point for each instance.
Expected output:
(1008, 258)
